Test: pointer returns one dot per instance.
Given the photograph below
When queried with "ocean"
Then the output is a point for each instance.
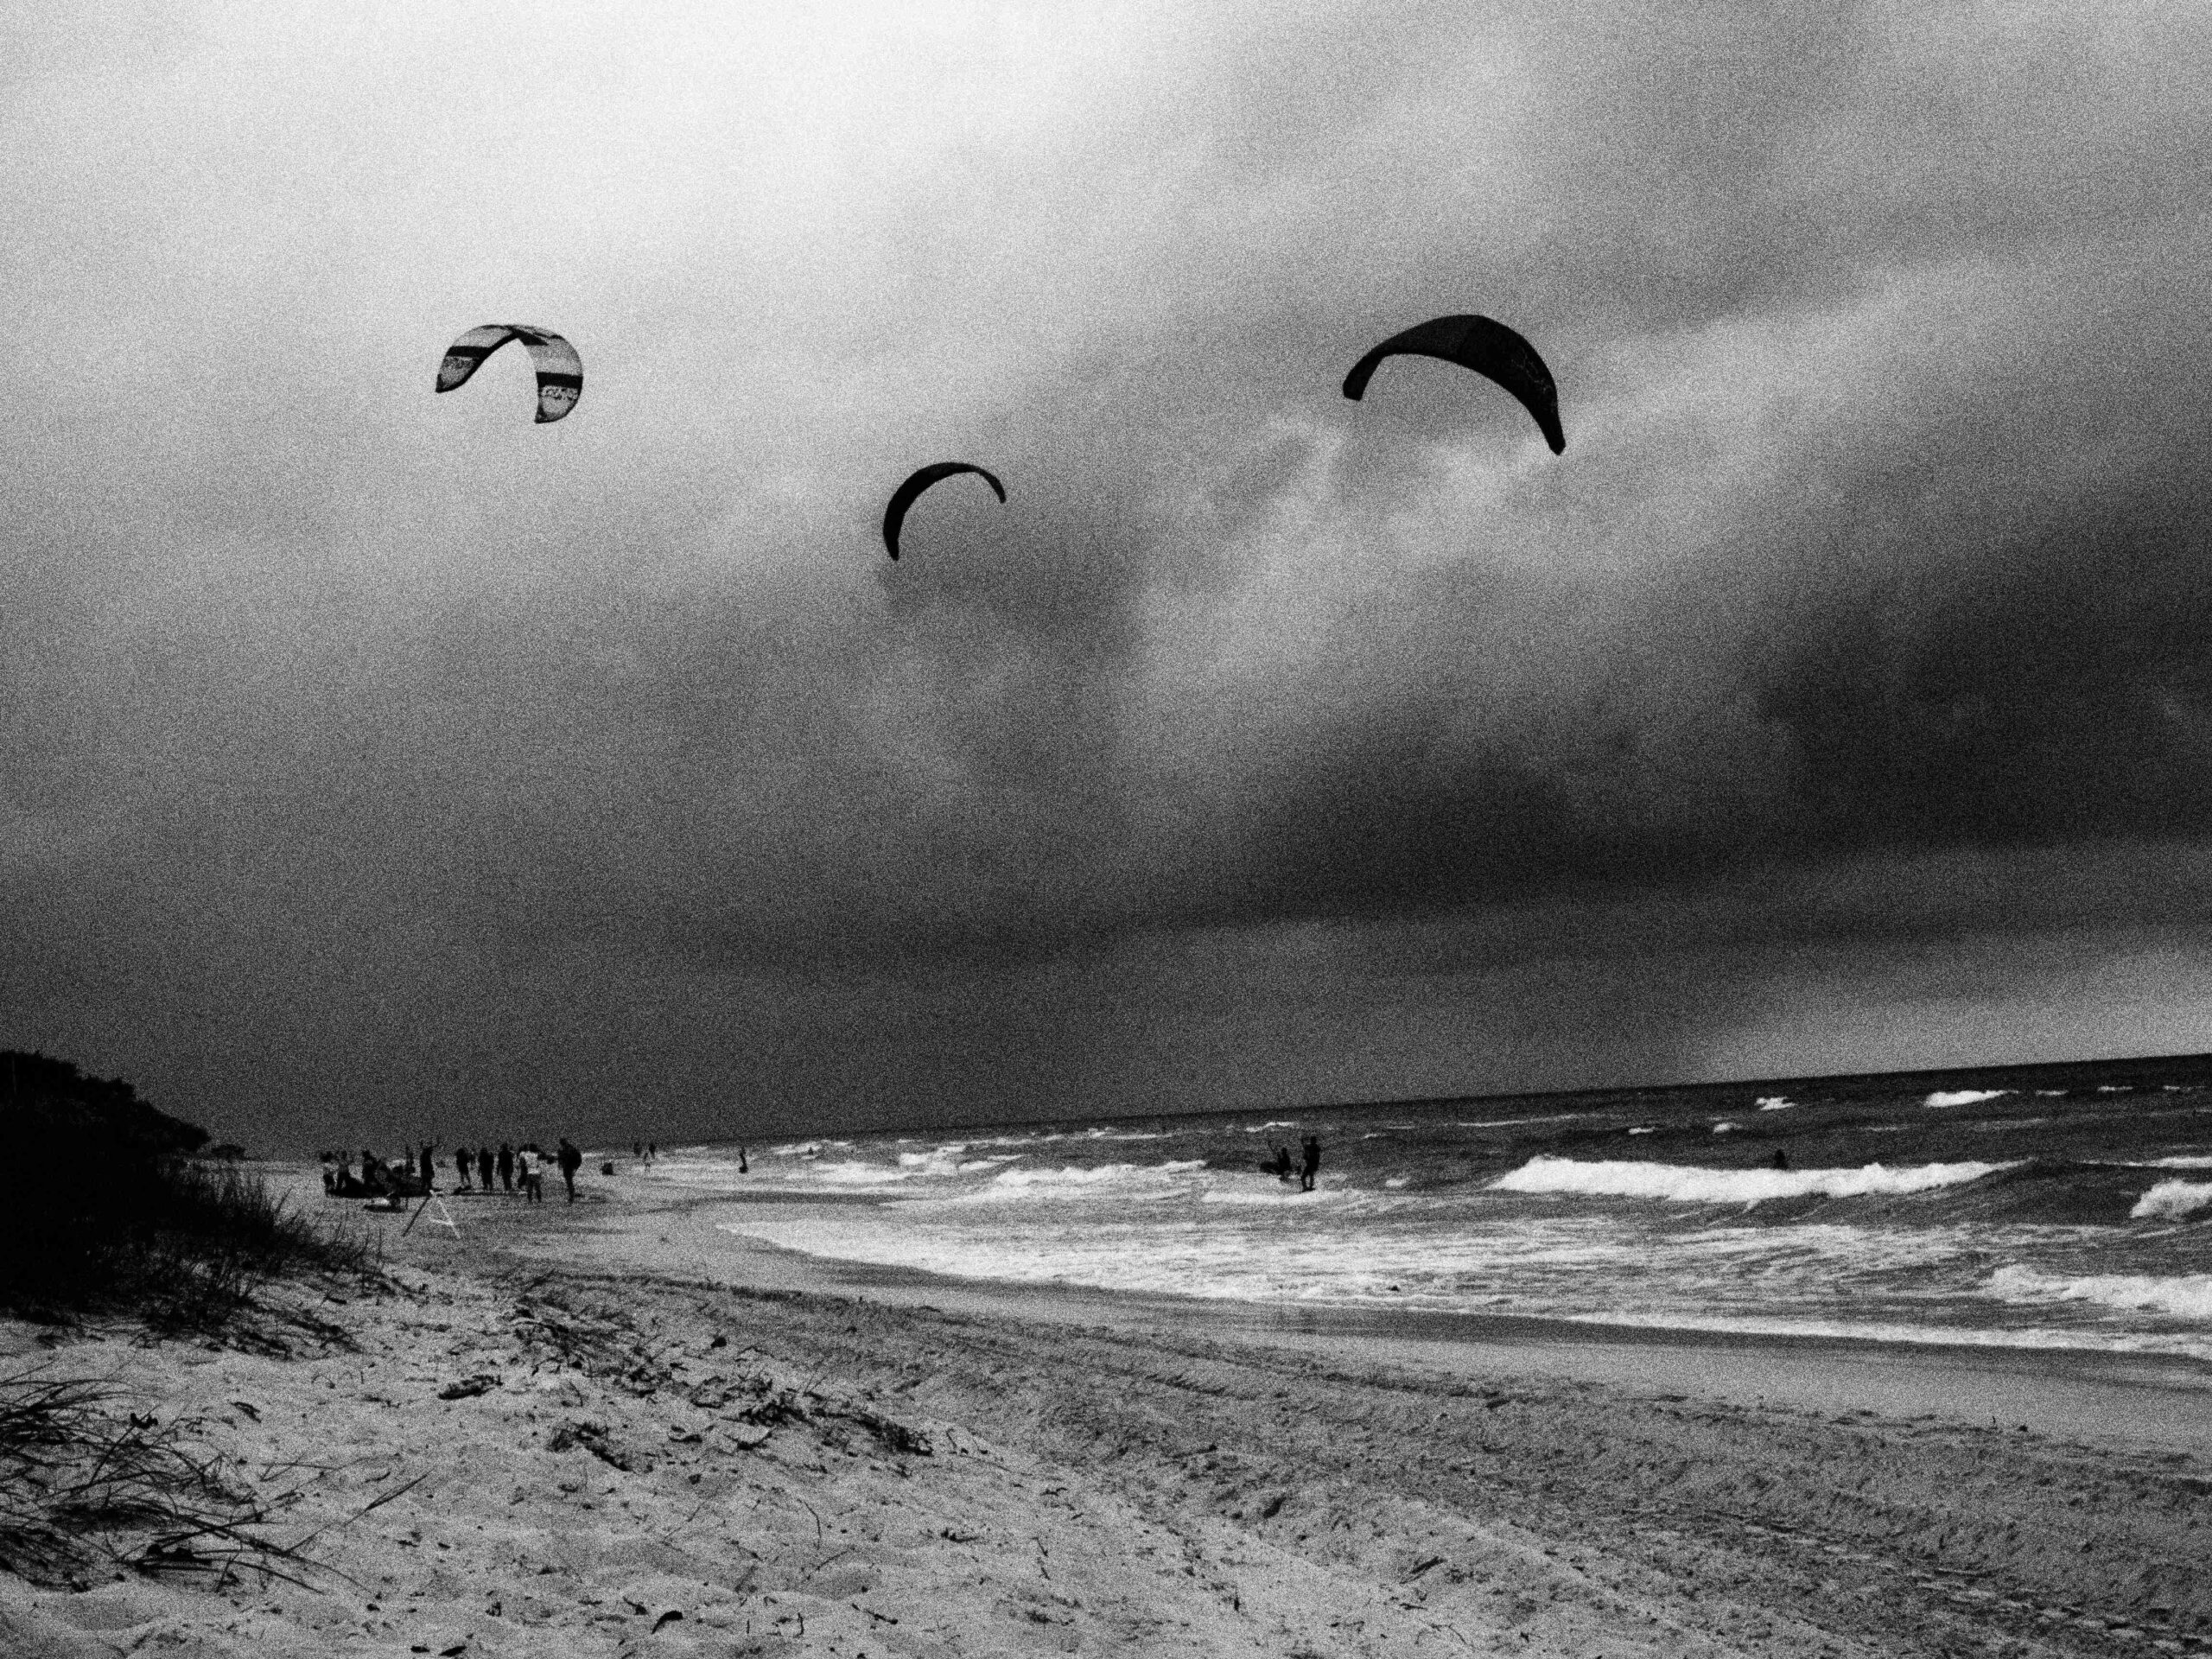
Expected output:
(2059, 1207)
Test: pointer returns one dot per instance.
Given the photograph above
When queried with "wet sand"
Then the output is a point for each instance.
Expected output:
(651, 1419)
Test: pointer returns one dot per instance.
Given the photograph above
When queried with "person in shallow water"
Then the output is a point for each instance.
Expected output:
(571, 1161)
(1312, 1148)
(1282, 1163)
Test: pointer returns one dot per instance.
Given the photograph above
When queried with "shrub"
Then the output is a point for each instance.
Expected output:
(111, 1213)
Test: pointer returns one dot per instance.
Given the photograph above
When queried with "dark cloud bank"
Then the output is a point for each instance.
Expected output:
(404, 769)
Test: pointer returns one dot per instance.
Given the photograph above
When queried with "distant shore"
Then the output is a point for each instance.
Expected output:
(661, 1433)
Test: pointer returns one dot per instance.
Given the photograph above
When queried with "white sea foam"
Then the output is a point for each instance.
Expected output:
(1644, 1128)
(1281, 1192)
(1724, 1128)
(1964, 1096)
(2191, 1162)
(2187, 1296)
(1514, 1123)
(1773, 1103)
(850, 1172)
(1684, 1185)
(2072, 1338)
(1072, 1176)
(2171, 1200)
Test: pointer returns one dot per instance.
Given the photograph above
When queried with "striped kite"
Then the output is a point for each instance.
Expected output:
(560, 371)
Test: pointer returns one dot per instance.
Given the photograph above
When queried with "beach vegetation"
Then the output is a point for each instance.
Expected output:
(83, 1482)
(116, 1212)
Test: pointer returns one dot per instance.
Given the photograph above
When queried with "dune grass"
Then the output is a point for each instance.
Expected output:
(109, 1213)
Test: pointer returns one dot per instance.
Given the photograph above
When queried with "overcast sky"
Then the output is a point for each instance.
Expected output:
(377, 762)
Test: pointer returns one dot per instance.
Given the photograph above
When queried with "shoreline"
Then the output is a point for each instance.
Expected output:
(2141, 1400)
(583, 1431)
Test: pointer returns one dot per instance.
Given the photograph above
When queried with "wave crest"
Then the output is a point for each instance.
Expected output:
(2187, 1296)
(1686, 1184)
(1964, 1096)
(2171, 1200)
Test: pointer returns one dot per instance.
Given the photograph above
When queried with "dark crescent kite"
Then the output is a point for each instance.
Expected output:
(560, 371)
(894, 514)
(1487, 347)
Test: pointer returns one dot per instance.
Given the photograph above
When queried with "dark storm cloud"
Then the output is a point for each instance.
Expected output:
(1259, 736)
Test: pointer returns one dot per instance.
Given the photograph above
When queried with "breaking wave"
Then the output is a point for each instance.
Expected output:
(1682, 1184)
(2187, 1296)
(1964, 1096)
(1095, 1175)
(2171, 1200)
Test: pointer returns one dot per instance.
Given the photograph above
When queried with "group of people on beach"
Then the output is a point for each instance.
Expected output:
(1309, 1166)
(509, 1170)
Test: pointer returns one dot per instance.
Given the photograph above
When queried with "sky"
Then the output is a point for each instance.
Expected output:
(375, 763)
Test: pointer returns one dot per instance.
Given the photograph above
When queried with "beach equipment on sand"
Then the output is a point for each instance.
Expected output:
(443, 1218)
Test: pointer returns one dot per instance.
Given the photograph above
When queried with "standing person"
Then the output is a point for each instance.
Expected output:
(1312, 1148)
(741, 1165)
(429, 1175)
(571, 1161)
(652, 1152)
(533, 1178)
(329, 1174)
(483, 1167)
(460, 1167)
(506, 1167)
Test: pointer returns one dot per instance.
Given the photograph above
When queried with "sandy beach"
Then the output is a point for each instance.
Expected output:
(610, 1429)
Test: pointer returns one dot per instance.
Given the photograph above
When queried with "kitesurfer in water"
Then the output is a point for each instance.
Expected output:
(1312, 1148)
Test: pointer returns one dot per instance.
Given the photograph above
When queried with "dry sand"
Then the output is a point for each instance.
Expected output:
(611, 1430)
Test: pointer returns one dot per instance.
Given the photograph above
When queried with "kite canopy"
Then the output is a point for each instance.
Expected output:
(904, 497)
(560, 371)
(1487, 347)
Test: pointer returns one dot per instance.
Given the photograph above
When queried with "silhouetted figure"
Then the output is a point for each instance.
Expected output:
(1282, 1163)
(638, 1150)
(742, 1166)
(329, 1174)
(460, 1167)
(652, 1152)
(429, 1173)
(571, 1161)
(506, 1167)
(484, 1169)
(1781, 1159)
(533, 1180)
(1312, 1148)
